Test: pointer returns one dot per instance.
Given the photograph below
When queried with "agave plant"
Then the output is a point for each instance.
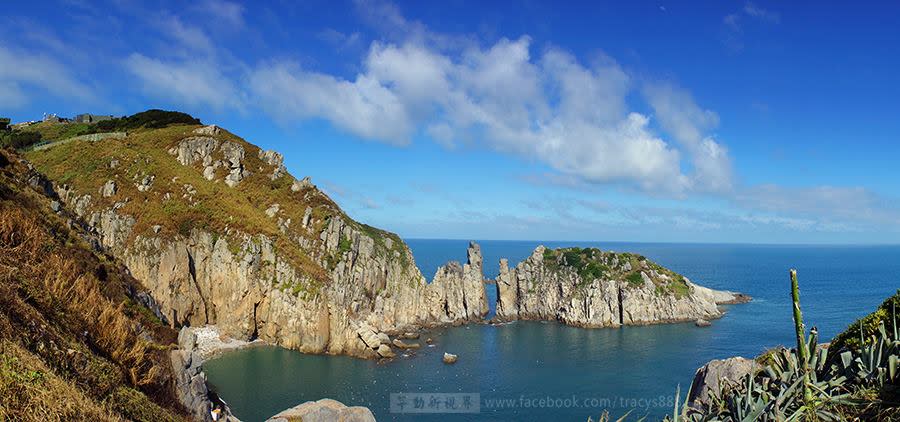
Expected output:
(801, 384)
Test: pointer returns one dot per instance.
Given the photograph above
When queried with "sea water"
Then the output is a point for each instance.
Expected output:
(544, 370)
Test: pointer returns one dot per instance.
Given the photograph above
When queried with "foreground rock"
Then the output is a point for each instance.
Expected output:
(325, 410)
(716, 375)
(592, 288)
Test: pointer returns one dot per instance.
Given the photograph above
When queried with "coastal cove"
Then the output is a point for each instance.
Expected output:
(620, 368)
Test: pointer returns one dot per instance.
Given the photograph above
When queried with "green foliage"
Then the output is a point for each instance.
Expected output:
(635, 278)
(18, 139)
(151, 119)
(4, 123)
(344, 245)
(867, 326)
(862, 384)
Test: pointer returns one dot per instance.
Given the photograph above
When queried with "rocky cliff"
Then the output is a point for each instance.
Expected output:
(592, 288)
(221, 234)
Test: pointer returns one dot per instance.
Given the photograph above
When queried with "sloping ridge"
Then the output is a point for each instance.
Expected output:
(77, 338)
(222, 234)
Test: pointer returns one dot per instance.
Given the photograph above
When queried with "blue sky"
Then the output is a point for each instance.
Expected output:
(761, 122)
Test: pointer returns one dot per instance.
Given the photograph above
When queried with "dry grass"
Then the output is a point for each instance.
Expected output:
(63, 321)
(32, 392)
(214, 207)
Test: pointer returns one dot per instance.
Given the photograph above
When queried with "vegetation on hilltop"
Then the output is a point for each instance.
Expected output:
(594, 264)
(73, 344)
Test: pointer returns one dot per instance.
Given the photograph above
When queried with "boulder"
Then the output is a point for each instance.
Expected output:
(702, 323)
(299, 185)
(274, 159)
(210, 130)
(325, 410)
(404, 345)
(272, 210)
(108, 189)
(717, 374)
(385, 351)
(450, 358)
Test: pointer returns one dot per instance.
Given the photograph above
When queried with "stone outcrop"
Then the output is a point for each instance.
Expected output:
(275, 160)
(717, 374)
(240, 283)
(600, 289)
(108, 189)
(325, 410)
(299, 185)
(195, 346)
(203, 149)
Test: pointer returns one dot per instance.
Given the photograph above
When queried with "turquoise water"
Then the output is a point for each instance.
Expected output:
(569, 373)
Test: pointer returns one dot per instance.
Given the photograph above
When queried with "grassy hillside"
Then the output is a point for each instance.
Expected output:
(181, 199)
(73, 344)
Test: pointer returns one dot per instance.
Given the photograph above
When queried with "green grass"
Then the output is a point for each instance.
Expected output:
(592, 264)
(635, 279)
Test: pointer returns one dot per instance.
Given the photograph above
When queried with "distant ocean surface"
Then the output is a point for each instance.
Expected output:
(539, 371)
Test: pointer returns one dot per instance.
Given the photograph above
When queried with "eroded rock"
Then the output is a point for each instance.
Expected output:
(325, 410)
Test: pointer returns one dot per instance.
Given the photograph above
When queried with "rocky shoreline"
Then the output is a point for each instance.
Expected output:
(200, 344)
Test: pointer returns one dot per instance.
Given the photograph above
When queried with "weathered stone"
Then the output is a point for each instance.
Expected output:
(194, 149)
(716, 375)
(272, 210)
(385, 351)
(299, 185)
(108, 189)
(404, 345)
(146, 183)
(55, 206)
(702, 323)
(450, 358)
(274, 159)
(325, 410)
(210, 130)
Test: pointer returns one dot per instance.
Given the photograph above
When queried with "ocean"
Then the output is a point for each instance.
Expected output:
(527, 371)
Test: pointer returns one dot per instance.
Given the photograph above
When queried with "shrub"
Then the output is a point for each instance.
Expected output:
(869, 325)
(19, 139)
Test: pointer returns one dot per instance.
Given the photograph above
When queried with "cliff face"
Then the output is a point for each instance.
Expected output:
(592, 288)
(221, 234)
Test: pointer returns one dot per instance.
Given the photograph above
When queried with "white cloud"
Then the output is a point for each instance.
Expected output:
(689, 124)
(363, 107)
(228, 13)
(755, 11)
(22, 69)
(549, 108)
(850, 205)
(194, 83)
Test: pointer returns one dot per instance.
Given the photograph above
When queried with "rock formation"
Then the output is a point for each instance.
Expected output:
(712, 377)
(325, 285)
(325, 410)
(269, 256)
(592, 288)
